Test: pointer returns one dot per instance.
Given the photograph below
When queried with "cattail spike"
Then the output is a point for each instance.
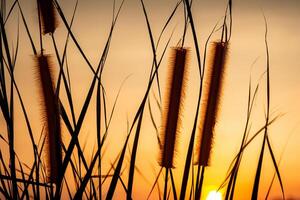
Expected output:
(52, 118)
(48, 17)
(171, 119)
(210, 106)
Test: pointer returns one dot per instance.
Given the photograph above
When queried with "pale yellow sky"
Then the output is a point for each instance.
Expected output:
(131, 54)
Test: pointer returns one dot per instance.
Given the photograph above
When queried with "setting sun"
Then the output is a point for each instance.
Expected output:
(214, 195)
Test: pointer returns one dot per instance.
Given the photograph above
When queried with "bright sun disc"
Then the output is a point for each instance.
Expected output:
(214, 195)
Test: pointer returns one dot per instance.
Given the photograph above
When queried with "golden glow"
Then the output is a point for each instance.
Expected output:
(131, 56)
(214, 195)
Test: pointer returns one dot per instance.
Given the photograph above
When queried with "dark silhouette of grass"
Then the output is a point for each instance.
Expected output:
(266, 136)
(153, 73)
(234, 171)
(19, 181)
(188, 160)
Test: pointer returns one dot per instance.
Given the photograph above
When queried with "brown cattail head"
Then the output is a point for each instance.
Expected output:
(48, 17)
(51, 116)
(210, 106)
(171, 115)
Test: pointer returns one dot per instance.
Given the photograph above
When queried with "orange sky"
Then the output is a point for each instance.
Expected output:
(131, 54)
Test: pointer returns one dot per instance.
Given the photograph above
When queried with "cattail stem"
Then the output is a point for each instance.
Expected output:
(52, 118)
(171, 121)
(210, 107)
(166, 184)
(47, 12)
(199, 183)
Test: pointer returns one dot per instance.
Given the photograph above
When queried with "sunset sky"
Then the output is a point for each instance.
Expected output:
(130, 59)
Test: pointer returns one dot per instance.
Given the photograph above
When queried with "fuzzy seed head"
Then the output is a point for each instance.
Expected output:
(171, 115)
(48, 16)
(210, 106)
(51, 116)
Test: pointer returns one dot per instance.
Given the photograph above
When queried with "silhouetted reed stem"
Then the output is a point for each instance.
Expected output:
(51, 117)
(166, 184)
(199, 183)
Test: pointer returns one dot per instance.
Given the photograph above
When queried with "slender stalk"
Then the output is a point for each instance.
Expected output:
(166, 184)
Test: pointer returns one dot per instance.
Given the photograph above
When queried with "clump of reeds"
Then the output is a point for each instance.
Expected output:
(48, 17)
(171, 115)
(210, 106)
(51, 116)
